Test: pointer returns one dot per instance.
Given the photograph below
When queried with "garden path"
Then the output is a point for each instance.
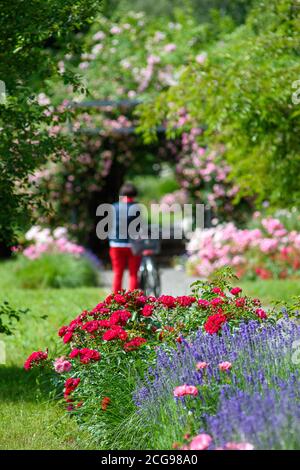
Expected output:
(174, 281)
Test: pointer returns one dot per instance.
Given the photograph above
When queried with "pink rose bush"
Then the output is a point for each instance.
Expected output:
(43, 240)
(269, 251)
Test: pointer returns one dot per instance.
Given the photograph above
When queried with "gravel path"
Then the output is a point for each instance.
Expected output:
(174, 282)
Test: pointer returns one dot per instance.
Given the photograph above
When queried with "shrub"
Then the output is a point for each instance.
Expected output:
(55, 271)
(267, 251)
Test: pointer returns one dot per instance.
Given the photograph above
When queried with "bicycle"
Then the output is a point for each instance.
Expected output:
(149, 275)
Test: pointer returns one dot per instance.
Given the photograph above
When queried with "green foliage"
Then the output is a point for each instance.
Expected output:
(9, 316)
(30, 32)
(55, 271)
(243, 94)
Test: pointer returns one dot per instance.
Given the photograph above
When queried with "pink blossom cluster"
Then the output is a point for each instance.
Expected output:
(246, 250)
(44, 241)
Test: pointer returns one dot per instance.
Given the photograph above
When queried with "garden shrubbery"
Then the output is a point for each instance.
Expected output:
(55, 271)
(204, 350)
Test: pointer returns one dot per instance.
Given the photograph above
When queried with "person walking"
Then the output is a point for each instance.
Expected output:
(126, 210)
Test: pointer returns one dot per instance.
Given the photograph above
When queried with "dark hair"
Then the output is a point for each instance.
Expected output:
(128, 189)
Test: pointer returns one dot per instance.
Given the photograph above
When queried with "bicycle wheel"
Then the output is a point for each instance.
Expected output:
(149, 277)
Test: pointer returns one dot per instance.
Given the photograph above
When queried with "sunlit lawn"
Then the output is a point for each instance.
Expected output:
(28, 421)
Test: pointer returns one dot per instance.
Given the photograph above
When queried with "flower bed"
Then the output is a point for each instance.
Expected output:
(198, 346)
(266, 252)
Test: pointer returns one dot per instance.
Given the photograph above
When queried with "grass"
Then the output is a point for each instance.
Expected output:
(271, 290)
(29, 421)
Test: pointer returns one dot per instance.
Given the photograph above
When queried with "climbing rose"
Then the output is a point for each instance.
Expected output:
(214, 323)
(225, 365)
(147, 310)
(61, 364)
(185, 389)
(35, 358)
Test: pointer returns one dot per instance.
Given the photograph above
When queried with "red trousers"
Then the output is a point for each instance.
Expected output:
(120, 259)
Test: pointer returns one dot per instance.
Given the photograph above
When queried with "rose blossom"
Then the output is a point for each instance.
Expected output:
(61, 364)
(225, 365)
(235, 290)
(185, 389)
(201, 365)
(200, 442)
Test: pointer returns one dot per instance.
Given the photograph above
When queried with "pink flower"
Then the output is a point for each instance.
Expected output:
(200, 442)
(201, 58)
(225, 366)
(235, 290)
(201, 365)
(170, 47)
(239, 446)
(185, 389)
(261, 313)
(62, 365)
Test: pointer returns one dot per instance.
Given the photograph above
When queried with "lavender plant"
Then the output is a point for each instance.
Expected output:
(256, 399)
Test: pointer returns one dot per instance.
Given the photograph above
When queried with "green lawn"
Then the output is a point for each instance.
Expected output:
(270, 291)
(28, 421)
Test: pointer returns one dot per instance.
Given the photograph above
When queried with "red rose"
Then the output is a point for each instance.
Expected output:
(240, 302)
(185, 300)
(68, 336)
(261, 313)
(235, 290)
(167, 301)
(147, 310)
(216, 301)
(214, 323)
(217, 290)
(120, 299)
(35, 358)
(134, 344)
(116, 332)
(203, 303)
(62, 331)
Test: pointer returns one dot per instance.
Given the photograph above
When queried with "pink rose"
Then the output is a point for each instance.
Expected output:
(225, 366)
(201, 365)
(62, 365)
(200, 442)
(185, 389)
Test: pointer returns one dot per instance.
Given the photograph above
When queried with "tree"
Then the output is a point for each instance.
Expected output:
(243, 94)
(33, 33)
